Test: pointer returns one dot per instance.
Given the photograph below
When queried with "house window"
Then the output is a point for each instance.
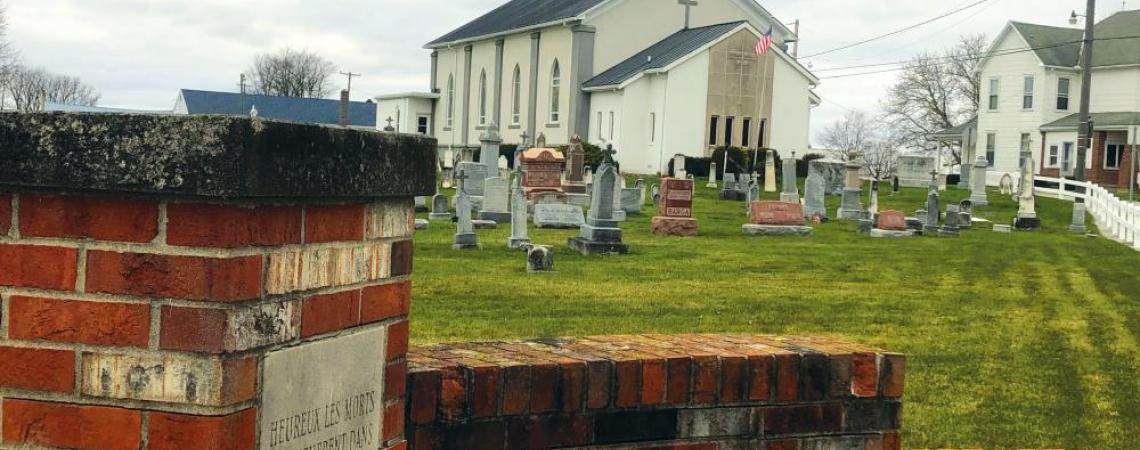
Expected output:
(516, 101)
(991, 147)
(1054, 155)
(1024, 148)
(1113, 154)
(1067, 157)
(1027, 96)
(712, 130)
(652, 127)
(450, 100)
(483, 97)
(555, 91)
(728, 131)
(1063, 94)
(745, 133)
(611, 126)
(995, 84)
(422, 125)
(599, 124)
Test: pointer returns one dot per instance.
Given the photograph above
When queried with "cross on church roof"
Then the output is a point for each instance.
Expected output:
(688, 4)
(389, 120)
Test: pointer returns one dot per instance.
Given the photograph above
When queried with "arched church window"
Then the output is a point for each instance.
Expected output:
(555, 92)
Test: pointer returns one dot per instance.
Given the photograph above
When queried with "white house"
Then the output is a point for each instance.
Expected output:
(1030, 97)
(628, 72)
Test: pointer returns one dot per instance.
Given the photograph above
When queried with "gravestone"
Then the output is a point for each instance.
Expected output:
(540, 259)
(874, 208)
(1026, 202)
(601, 234)
(559, 216)
(619, 213)
(679, 167)
(914, 171)
(978, 194)
(815, 191)
(542, 171)
(496, 200)
(421, 204)
(656, 193)
(1006, 186)
(575, 182)
(895, 187)
(1002, 228)
(930, 224)
(712, 176)
(439, 211)
(851, 208)
(770, 171)
(729, 181)
(504, 168)
(675, 213)
(791, 192)
(631, 200)
(421, 224)
(465, 237)
(832, 172)
(892, 220)
(489, 143)
(864, 226)
(476, 176)
(776, 219)
(950, 225)
(753, 194)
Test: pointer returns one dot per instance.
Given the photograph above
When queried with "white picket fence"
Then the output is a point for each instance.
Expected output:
(1118, 219)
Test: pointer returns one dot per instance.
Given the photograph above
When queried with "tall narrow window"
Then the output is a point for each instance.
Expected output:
(483, 97)
(450, 100)
(1066, 157)
(516, 93)
(712, 130)
(995, 84)
(555, 91)
(1054, 155)
(599, 124)
(1024, 149)
(1063, 85)
(652, 127)
(760, 137)
(728, 131)
(991, 147)
(1113, 155)
(746, 132)
(611, 126)
(1027, 96)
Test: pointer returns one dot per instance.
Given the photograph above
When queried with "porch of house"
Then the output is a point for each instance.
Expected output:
(1110, 157)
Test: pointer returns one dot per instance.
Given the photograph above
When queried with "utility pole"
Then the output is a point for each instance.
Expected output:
(350, 75)
(1086, 125)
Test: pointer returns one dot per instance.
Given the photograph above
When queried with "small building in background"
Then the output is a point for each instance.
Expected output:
(289, 109)
(411, 112)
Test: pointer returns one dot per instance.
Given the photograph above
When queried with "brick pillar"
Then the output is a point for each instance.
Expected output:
(204, 282)
(1123, 177)
(1096, 157)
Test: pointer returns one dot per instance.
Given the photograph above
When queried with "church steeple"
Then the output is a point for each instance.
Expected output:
(688, 4)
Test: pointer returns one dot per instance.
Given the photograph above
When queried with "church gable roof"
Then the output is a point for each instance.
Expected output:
(662, 54)
(517, 14)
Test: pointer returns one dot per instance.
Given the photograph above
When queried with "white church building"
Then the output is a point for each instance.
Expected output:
(654, 78)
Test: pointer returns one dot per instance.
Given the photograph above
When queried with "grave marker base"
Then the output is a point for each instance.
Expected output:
(776, 230)
(673, 226)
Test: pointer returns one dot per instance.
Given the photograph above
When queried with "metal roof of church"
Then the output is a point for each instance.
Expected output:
(662, 54)
(518, 14)
(292, 109)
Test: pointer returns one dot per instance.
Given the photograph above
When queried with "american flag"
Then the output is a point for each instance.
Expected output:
(765, 43)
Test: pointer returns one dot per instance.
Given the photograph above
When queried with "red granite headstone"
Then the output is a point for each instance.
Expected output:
(777, 213)
(892, 221)
(675, 209)
(542, 171)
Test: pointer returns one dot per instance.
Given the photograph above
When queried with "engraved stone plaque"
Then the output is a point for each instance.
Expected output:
(325, 395)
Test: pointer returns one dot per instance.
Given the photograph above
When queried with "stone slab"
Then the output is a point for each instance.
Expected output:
(775, 230)
(555, 215)
(587, 247)
(877, 233)
(422, 224)
(326, 393)
(1003, 228)
(777, 213)
(892, 220)
(497, 217)
(673, 226)
(210, 156)
(486, 224)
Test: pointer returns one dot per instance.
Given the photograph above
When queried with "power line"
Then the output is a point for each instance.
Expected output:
(955, 11)
(936, 33)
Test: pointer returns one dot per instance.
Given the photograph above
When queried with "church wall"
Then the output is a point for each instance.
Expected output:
(450, 63)
(516, 51)
(684, 120)
(638, 153)
(791, 110)
(482, 59)
(606, 104)
(740, 87)
(556, 44)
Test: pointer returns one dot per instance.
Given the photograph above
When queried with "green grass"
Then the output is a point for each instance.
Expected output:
(1023, 340)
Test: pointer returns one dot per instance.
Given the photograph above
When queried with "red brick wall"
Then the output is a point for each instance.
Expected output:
(104, 295)
(690, 392)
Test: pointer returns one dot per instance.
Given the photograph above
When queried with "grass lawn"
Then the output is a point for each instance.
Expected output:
(1022, 340)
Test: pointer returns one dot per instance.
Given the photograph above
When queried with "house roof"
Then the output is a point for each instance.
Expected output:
(1055, 46)
(1061, 47)
(1119, 120)
(292, 109)
(662, 54)
(958, 131)
(518, 14)
(69, 107)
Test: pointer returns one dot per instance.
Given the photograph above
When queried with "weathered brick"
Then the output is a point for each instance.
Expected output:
(516, 389)
(635, 426)
(573, 386)
(787, 377)
(734, 379)
(653, 378)
(385, 301)
(535, 432)
(791, 444)
(544, 383)
(866, 415)
(37, 266)
(393, 421)
(892, 441)
(322, 314)
(313, 268)
(93, 323)
(37, 369)
(680, 381)
(182, 277)
(803, 419)
(864, 375)
(701, 446)
(397, 346)
(402, 258)
(453, 394)
(396, 380)
(815, 381)
(5, 214)
(627, 383)
(232, 226)
(705, 376)
(332, 223)
(893, 372)
(760, 370)
(468, 436)
(841, 373)
(52, 216)
(61, 425)
(424, 387)
(717, 422)
(599, 381)
(236, 431)
(169, 378)
(390, 219)
(236, 329)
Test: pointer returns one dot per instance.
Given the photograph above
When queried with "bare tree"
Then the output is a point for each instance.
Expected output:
(32, 88)
(880, 157)
(964, 60)
(9, 57)
(292, 73)
(851, 133)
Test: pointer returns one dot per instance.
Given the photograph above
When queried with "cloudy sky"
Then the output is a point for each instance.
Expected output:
(138, 53)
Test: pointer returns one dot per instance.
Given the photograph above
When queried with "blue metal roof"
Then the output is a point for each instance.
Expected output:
(291, 109)
(517, 14)
(662, 54)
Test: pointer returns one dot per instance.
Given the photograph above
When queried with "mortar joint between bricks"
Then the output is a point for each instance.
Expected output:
(14, 232)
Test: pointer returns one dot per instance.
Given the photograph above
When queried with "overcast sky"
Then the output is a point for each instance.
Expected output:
(139, 53)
